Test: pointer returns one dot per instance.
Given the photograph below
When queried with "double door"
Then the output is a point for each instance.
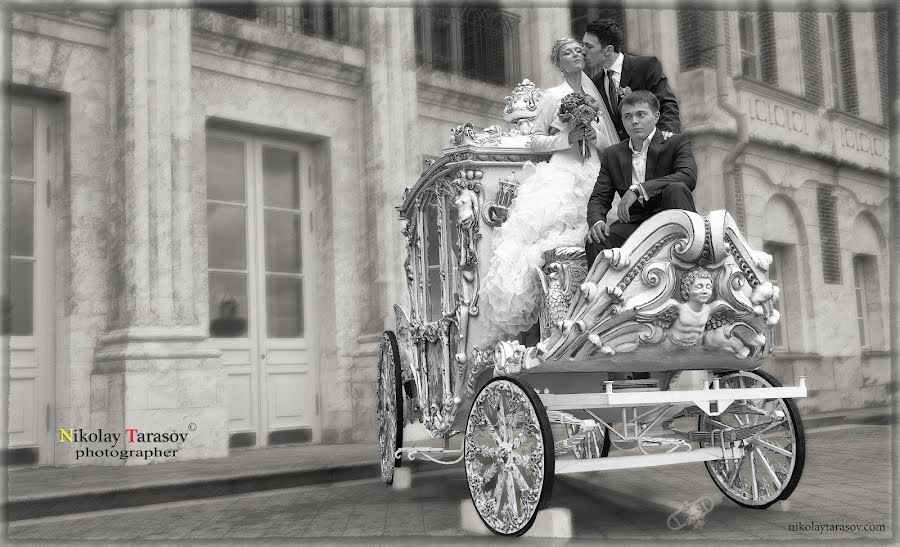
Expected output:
(260, 263)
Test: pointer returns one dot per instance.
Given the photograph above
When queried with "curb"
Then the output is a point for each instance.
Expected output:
(120, 498)
(828, 421)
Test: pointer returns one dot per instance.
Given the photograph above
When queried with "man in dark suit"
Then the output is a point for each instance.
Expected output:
(616, 71)
(651, 173)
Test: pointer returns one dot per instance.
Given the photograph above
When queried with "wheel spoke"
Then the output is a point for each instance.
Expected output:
(768, 468)
(490, 472)
(753, 477)
(492, 429)
(511, 500)
(775, 448)
(501, 421)
(520, 479)
(498, 491)
(734, 472)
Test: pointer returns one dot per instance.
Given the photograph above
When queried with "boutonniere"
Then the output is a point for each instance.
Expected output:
(666, 135)
(624, 92)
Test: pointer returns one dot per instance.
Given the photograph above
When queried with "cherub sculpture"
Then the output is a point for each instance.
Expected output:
(694, 320)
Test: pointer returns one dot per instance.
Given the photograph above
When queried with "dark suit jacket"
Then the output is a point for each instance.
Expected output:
(668, 162)
(645, 73)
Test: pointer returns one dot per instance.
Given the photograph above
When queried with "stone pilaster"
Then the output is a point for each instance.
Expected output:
(539, 29)
(394, 158)
(155, 370)
(393, 162)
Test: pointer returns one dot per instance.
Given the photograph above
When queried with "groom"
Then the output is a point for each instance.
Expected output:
(651, 173)
(616, 71)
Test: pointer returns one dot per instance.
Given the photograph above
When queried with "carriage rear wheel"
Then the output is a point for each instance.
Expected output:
(390, 406)
(773, 455)
(509, 456)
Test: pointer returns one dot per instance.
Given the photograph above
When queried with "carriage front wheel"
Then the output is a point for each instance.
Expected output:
(509, 456)
(390, 406)
(773, 441)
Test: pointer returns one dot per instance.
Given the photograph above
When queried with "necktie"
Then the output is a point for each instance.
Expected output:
(611, 92)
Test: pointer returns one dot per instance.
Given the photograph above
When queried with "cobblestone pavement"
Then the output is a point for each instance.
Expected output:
(847, 481)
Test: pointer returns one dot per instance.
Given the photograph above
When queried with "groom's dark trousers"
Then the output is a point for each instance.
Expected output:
(671, 175)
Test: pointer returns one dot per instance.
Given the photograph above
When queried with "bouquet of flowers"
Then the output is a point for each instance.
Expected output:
(580, 109)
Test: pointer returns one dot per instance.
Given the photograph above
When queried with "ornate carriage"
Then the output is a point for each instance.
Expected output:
(653, 350)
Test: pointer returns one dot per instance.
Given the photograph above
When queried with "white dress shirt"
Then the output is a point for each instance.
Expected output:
(616, 69)
(639, 164)
(616, 72)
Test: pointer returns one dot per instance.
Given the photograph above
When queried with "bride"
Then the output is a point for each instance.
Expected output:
(551, 207)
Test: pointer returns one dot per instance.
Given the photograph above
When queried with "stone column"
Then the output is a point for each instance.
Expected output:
(393, 162)
(394, 157)
(155, 370)
(539, 29)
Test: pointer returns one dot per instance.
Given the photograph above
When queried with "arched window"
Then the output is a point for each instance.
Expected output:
(867, 246)
(784, 238)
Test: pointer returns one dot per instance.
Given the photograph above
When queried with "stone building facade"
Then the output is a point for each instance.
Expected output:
(214, 246)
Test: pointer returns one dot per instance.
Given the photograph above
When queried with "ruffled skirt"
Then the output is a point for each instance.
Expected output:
(549, 211)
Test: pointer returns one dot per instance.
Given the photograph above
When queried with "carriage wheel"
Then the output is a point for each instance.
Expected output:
(509, 456)
(390, 406)
(773, 459)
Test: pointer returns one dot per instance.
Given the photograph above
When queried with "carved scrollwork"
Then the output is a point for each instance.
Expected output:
(496, 212)
(680, 283)
(562, 275)
(521, 107)
(467, 134)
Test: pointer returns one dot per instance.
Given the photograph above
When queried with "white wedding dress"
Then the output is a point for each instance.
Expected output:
(550, 210)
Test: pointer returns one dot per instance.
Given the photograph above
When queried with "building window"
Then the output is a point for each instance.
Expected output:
(582, 15)
(783, 274)
(696, 39)
(828, 232)
(756, 34)
(481, 43)
(775, 276)
(747, 33)
(868, 301)
(843, 63)
(881, 52)
(811, 57)
(333, 23)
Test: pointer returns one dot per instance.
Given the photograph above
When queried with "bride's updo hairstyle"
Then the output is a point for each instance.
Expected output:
(557, 47)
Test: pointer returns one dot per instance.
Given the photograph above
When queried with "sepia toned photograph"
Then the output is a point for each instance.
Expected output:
(431, 272)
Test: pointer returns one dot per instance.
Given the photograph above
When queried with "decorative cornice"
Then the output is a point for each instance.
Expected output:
(789, 149)
(850, 119)
(777, 93)
(92, 18)
(465, 99)
(246, 41)
(85, 28)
